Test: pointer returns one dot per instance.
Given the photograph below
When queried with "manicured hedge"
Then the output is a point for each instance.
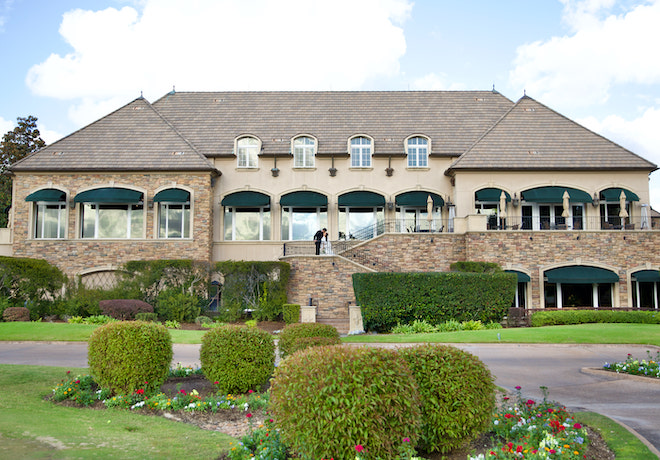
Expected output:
(557, 317)
(388, 299)
(291, 313)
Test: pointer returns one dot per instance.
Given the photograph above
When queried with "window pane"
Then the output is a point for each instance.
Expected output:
(51, 224)
(113, 221)
(186, 221)
(89, 220)
(175, 221)
(247, 225)
(228, 223)
(137, 219)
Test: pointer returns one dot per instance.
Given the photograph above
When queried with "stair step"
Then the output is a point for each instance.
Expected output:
(341, 324)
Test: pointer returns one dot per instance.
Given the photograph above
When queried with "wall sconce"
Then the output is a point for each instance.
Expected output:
(515, 201)
(595, 201)
(389, 172)
(390, 205)
(275, 172)
(333, 172)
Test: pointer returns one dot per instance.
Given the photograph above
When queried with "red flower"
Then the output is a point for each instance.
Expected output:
(508, 415)
(68, 372)
(577, 426)
(530, 402)
(552, 451)
(359, 448)
(248, 415)
(506, 398)
(518, 387)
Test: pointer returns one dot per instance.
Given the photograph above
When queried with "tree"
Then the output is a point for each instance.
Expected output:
(16, 144)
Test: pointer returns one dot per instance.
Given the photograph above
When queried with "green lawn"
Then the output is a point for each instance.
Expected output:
(643, 334)
(31, 427)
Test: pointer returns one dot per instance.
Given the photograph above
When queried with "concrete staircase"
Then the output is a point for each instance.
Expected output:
(341, 324)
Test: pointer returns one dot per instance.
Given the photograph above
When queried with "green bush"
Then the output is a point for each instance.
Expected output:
(457, 395)
(33, 283)
(558, 317)
(303, 343)
(292, 332)
(256, 286)
(203, 320)
(327, 400)
(291, 313)
(153, 317)
(388, 299)
(239, 358)
(125, 356)
(475, 267)
(175, 305)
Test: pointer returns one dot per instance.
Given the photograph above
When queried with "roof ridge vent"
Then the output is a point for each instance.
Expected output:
(529, 109)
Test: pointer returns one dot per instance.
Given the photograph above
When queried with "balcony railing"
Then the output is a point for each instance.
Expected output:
(570, 223)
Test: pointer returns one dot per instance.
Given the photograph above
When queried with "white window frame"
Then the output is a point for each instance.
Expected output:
(247, 152)
(304, 151)
(263, 210)
(39, 208)
(360, 150)
(95, 209)
(418, 153)
(164, 206)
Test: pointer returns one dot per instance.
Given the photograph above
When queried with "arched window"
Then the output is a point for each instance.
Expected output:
(111, 212)
(304, 152)
(173, 213)
(360, 152)
(49, 213)
(247, 149)
(579, 286)
(247, 216)
(417, 149)
(303, 213)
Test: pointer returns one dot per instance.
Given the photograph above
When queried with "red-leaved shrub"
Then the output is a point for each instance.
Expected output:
(16, 314)
(124, 309)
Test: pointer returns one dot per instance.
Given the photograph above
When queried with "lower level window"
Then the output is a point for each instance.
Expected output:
(50, 220)
(301, 223)
(174, 220)
(247, 224)
(112, 220)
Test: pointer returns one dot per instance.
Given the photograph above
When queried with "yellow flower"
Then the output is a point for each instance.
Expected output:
(566, 446)
(576, 452)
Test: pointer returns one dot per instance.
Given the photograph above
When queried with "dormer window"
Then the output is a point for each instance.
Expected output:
(304, 152)
(360, 152)
(417, 149)
(247, 152)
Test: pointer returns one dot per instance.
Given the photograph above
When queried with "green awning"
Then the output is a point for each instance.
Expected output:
(580, 274)
(109, 195)
(613, 194)
(46, 194)
(175, 195)
(647, 276)
(555, 195)
(362, 199)
(304, 199)
(522, 277)
(246, 199)
(418, 199)
(490, 194)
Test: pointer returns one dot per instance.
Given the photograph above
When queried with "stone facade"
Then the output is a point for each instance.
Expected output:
(327, 279)
(74, 255)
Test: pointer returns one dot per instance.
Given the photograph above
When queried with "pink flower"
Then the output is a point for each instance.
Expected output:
(216, 382)
(406, 439)
(577, 426)
(359, 448)
(248, 415)
(518, 387)
(250, 391)
(552, 451)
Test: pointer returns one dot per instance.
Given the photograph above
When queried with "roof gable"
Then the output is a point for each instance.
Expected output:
(535, 137)
(133, 138)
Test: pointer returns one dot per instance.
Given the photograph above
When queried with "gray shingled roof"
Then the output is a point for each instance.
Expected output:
(133, 138)
(452, 119)
(532, 136)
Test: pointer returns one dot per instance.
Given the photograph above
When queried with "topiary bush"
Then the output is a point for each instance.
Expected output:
(302, 343)
(175, 305)
(125, 356)
(239, 358)
(16, 314)
(292, 332)
(327, 400)
(291, 313)
(457, 395)
(124, 309)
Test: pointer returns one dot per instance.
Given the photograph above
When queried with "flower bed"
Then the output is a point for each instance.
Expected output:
(648, 367)
(531, 430)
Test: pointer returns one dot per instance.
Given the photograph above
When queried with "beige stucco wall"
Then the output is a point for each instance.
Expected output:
(74, 255)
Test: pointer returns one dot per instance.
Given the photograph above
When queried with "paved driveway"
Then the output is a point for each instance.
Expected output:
(564, 369)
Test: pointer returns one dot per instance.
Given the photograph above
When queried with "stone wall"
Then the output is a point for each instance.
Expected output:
(74, 255)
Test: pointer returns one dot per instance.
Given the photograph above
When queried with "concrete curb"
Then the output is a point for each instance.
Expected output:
(619, 375)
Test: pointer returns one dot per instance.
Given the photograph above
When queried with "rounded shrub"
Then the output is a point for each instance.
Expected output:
(327, 400)
(127, 355)
(293, 332)
(239, 358)
(457, 395)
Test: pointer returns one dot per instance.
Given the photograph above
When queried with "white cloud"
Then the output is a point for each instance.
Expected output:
(48, 135)
(639, 135)
(221, 45)
(5, 8)
(580, 69)
(435, 82)
(6, 126)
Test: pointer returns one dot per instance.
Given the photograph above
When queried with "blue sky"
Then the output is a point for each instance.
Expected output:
(69, 62)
